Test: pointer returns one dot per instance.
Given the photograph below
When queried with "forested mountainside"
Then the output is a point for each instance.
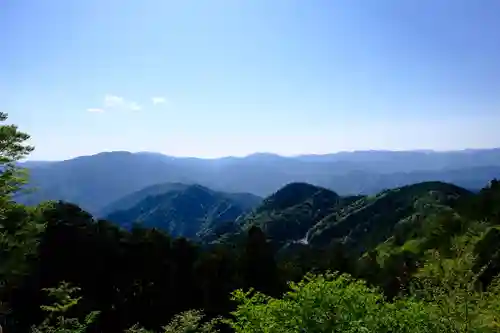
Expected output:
(371, 220)
(297, 212)
(132, 199)
(288, 214)
(318, 216)
(94, 182)
(419, 258)
(183, 211)
(246, 200)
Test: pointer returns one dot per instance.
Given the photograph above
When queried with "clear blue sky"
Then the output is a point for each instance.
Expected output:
(232, 77)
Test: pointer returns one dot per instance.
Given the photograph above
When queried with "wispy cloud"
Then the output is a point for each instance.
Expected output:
(158, 100)
(134, 106)
(113, 102)
(95, 110)
(117, 102)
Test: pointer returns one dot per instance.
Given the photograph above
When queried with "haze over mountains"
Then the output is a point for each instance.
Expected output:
(93, 182)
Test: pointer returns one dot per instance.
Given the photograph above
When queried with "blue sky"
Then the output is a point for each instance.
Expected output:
(212, 78)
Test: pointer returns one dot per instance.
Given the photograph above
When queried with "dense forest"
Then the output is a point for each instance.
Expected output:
(418, 258)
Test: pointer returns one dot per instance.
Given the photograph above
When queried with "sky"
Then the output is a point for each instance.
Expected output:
(233, 77)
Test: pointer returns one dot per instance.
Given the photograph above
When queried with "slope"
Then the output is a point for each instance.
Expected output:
(290, 212)
(92, 182)
(130, 200)
(369, 221)
(185, 211)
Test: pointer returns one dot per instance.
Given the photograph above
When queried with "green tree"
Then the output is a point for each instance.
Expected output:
(64, 300)
(258, 265)
(186, 322)
(16, 229)
(13, 147)
(331, 303)
(451, 285)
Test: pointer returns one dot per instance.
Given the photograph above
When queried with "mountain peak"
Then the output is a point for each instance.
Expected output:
(291, 195)
(181, 210)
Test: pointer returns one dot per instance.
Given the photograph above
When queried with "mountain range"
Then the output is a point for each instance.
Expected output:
(307, 214)
(298, 213)
(98, 181)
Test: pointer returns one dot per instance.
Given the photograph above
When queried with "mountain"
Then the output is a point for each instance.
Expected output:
(371, 220)
(360, 182)
(308, 214)
(94, 181)
(97, 181)
(183, 210)
(290, 212)
(130, 200)
(246, 200)
(384, 161)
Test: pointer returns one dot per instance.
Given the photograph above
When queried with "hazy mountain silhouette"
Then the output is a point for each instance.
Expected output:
(93, 182)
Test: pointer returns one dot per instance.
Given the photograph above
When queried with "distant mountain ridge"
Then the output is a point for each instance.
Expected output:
(423, 159)
(94, 182)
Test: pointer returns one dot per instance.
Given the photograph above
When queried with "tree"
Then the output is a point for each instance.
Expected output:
(259, 268)
(15, 228)
(13, 148)
(64, 301)
(331, 303)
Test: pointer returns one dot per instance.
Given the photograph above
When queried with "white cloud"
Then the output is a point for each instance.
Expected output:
(134, 106)
(158, 100)
(117, 102)
(95, 110)
(113, 102)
